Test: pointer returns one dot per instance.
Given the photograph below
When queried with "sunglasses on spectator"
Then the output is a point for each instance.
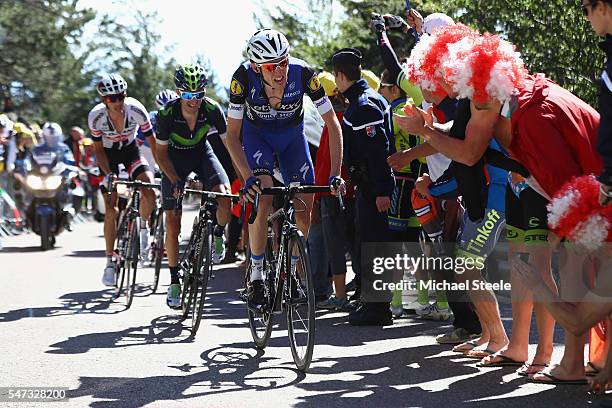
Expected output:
(188, 96)
(274, 66)
(585, 7)
(114, 97)
(385, 85)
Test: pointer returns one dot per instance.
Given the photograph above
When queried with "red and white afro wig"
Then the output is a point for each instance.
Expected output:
(484, 68)
(575, 213)
(424, 66)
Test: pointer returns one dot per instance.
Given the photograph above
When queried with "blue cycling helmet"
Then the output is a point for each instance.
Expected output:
(164, 97)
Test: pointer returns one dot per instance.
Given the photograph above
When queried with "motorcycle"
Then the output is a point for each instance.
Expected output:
(55, 189)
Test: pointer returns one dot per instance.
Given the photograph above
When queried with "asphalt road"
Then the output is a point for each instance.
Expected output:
(60, 327)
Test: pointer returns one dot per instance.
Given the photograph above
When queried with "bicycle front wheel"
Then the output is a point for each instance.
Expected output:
(300, 301)
(122, 254)
(133, 252)
(158, 249)
(203, 269)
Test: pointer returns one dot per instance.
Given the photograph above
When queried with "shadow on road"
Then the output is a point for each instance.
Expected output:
(93, 253)
(99, 302)
(161, 330)
(421, 374)
(224, 370)
(20, 250)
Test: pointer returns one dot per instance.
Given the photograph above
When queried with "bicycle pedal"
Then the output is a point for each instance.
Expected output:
(257, 309)
(297, 301)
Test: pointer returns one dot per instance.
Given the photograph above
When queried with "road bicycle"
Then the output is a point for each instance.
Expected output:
(128, 238)
(196, 263)
(288, 287)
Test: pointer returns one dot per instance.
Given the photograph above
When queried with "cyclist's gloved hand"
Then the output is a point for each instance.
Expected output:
(108, 179)
(395, 22)
(177, 188)
(250, 188)
(377, 23)
(337, 185)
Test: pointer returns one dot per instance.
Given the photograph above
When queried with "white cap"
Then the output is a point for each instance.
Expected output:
(435, 21)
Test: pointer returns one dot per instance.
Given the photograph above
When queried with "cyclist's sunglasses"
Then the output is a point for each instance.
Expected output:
(188, 96)
(114, 97)
(274, 66)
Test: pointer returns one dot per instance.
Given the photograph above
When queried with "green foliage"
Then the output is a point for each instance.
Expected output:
(553, 36)
(39, 70)
(133, 51)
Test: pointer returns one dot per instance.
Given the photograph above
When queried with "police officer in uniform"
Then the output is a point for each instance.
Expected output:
(366, 130)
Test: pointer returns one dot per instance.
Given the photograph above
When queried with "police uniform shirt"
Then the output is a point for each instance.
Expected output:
(367, 133)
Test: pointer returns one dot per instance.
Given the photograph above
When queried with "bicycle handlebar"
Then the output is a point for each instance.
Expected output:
(135, 183)
(290, 190)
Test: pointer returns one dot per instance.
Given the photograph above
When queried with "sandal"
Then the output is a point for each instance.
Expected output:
(480, 354)
(551, 379)
(465, 347)
(591, 370)
(523, 370)
(502, 362)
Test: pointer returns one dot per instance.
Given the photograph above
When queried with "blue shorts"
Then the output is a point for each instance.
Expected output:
(290, 147)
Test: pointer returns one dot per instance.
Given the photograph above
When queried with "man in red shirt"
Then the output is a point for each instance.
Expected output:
(543, 126)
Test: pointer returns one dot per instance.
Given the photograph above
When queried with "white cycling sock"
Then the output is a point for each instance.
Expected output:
(257, 267)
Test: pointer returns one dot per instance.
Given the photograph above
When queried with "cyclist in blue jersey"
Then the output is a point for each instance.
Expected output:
(266, 103)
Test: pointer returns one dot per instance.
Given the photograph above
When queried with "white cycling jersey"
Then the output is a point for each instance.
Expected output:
(103, 130)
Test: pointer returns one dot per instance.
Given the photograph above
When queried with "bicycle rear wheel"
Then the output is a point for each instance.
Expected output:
(300, 302)
(133, 252)
(203, 269)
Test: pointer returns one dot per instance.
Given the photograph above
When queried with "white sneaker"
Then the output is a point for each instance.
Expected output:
(110, 276)
(144, 242)
(413, 306)
(433, 312)
(397, 311)
(420, 309)
(173, 297)
(218, 250)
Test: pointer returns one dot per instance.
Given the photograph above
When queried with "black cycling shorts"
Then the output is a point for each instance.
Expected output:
(201, 161)
(526, 216)
(401, 215)
(129, 156)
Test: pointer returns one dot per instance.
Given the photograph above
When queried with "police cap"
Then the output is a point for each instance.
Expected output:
(348, 56)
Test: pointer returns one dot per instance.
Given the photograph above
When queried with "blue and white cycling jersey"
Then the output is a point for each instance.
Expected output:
(277, 132)
(247, 95)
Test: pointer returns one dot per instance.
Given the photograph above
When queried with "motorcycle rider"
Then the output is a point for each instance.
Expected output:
(52, 142)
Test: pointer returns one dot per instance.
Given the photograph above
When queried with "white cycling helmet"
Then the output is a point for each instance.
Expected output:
(266, 46)
(6, 125)
(111, 84)
(52, 133)
(436, 20)
(164, 97)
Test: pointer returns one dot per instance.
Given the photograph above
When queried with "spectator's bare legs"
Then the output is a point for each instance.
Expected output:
(522, 307)
(488, 313)
(571, 366)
